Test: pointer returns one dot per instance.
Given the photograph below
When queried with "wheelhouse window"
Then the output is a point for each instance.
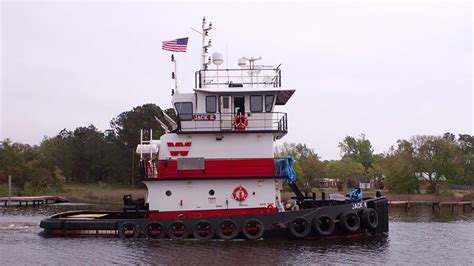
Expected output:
(256, 103)
(184, 110)
(211, 104)
(269, 103)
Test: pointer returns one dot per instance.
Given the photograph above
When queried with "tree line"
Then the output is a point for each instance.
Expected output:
(88, 155)
(82, 155)
(434, 160)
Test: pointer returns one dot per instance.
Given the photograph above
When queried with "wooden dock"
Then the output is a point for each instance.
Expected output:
(465, 205)
(35, 200)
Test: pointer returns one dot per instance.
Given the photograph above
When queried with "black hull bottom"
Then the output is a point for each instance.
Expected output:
(366, 218)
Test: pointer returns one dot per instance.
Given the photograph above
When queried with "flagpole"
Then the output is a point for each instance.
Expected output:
(175, 74)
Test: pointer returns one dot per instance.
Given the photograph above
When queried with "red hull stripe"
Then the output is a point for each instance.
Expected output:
(210, 213)
(218, 169)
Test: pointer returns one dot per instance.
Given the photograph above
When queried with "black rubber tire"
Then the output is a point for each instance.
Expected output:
(150, 230)
(349, 221)
(196, 230)
(248, 233)
(297, 224)
(370, 219)
(220, 230)
(126, 226)
(172, 230)
(323, 225)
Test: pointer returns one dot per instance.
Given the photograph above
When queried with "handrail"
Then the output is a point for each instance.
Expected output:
(233, 77)
(215, 122)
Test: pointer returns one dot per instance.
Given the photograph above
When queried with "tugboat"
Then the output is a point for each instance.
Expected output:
(213, 174)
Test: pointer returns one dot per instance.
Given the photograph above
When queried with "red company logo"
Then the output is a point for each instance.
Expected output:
(179, 148)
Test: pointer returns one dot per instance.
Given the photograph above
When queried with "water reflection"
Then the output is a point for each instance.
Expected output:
(416, 236)
(423, 213)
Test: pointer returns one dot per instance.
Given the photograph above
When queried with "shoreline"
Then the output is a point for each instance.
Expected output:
(113, 194)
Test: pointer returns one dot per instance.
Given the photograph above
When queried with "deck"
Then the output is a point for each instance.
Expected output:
(434, 204)
(35, 200)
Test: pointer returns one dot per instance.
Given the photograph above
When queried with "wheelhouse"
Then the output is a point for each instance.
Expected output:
(215, 106)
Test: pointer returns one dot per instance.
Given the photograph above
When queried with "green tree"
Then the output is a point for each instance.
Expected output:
(399, 168)
(308, 166)
(360, 150)
(31, 171)
(125, 134)
(436, 158)
(346, 171)
(465, 174)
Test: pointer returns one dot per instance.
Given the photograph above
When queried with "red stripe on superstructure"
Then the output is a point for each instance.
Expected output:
(229, 168)
(209, 213)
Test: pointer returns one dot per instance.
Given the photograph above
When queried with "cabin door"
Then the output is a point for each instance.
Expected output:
(226, 112)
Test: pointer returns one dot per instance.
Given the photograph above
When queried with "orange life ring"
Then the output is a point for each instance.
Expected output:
(240, 121)
(240, 193)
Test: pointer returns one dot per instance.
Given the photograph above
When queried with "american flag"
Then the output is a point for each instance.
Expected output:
(178, 45)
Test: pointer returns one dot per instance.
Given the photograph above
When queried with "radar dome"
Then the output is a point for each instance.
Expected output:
(242, 62)
(217, 58)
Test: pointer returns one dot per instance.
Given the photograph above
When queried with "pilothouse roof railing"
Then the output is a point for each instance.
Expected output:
(258, 77)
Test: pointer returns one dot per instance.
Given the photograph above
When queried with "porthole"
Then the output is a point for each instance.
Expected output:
(168, 193)
(212, 192)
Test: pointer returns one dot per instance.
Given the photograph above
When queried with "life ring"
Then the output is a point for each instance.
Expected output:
(154, 230)
(203, 230)
(240, 121)
(323, 225)
(300, 227)
(349, 221)
(129, 230)
(177, 230)
(370, 219)
(253, 229)
(240, 193)
(227, 229)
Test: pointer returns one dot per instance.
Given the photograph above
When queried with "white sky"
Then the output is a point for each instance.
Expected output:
(389, 70)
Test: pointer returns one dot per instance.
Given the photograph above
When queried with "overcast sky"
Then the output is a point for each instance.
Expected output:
(389, 70)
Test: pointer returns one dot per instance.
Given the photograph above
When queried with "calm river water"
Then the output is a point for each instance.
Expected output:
(415, 237)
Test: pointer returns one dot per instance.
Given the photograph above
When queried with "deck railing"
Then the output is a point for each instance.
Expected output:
(224, 122)
(255, 77)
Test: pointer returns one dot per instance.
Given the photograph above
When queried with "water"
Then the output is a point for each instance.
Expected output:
(415, 237)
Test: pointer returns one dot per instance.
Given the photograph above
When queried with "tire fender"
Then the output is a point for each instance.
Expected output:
(172, 230)
(323, 225)
(196, 232)
(126, 226)
(151, 228)
(370, 219)
(220, 229)
(258, 225)
(297, 222)
(349, 221)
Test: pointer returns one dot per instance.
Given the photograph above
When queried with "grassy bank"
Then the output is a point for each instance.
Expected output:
(112, 194)
(450, 196)
(87, 193)
(100, 193)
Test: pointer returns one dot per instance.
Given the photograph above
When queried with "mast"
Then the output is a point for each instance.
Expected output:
(205, 61)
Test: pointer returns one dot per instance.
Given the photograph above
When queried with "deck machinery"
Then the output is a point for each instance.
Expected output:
(213, 173)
